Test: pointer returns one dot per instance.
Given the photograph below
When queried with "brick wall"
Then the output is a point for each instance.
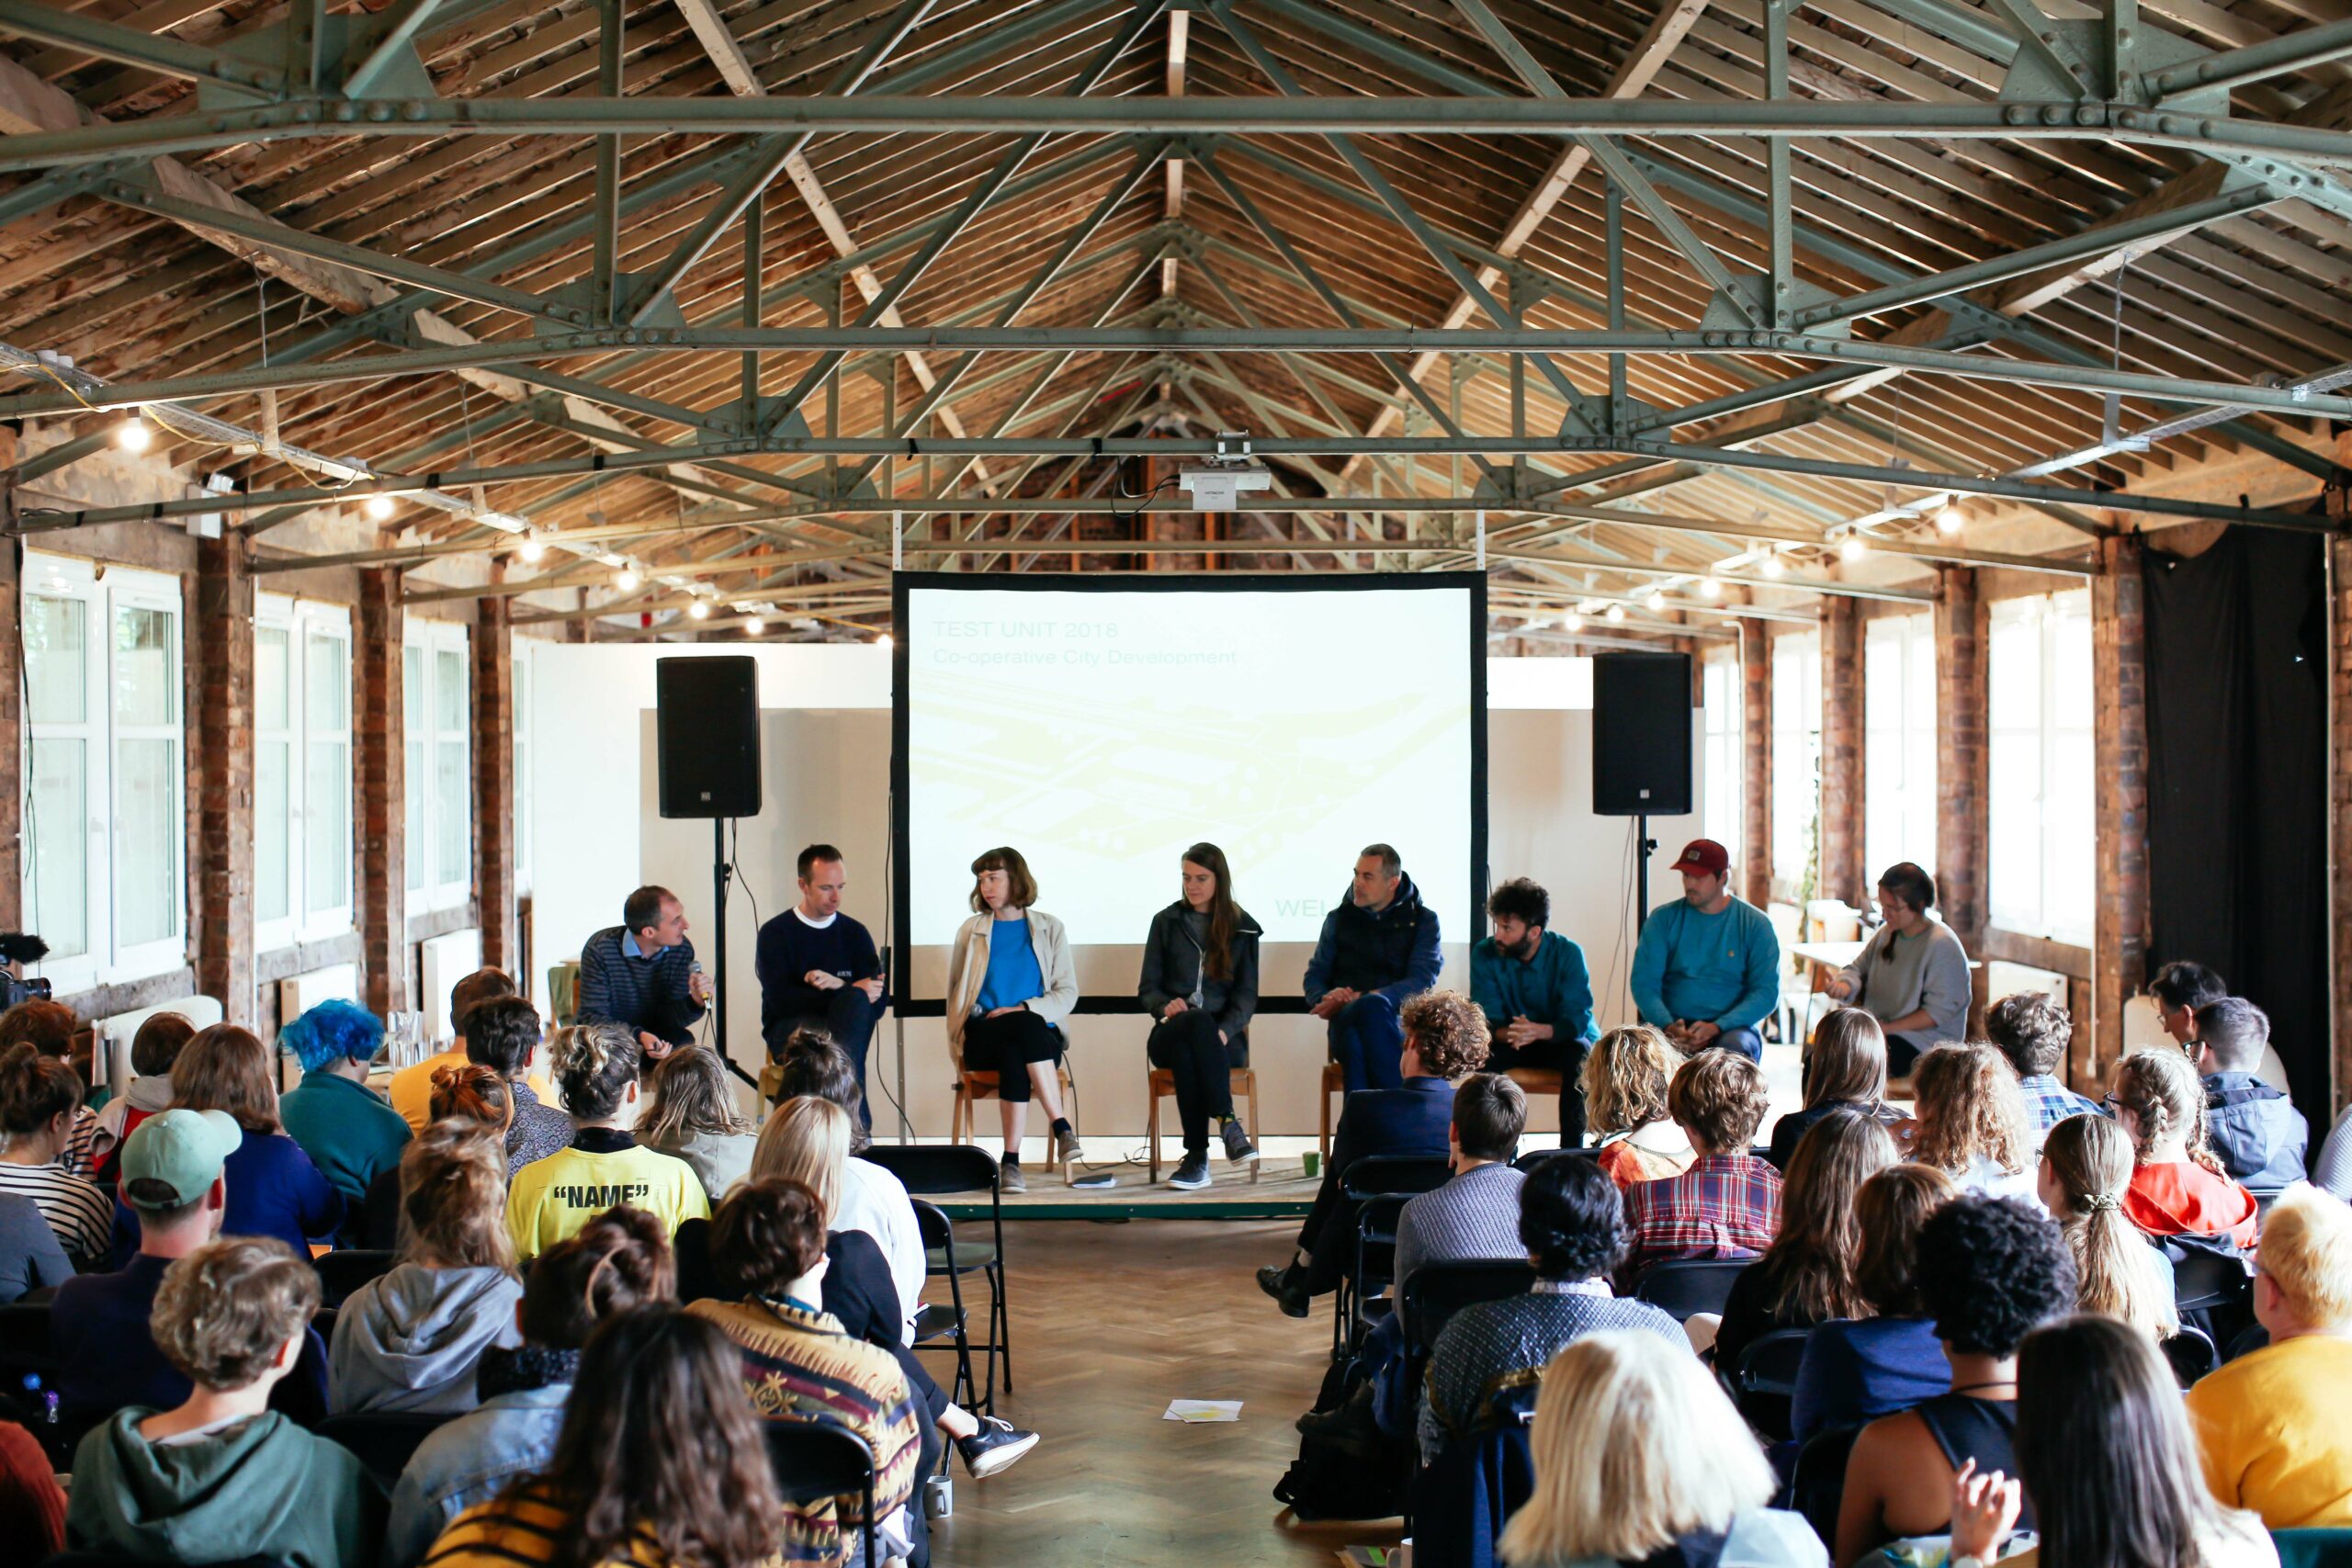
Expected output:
(383, 890)
(2120, 754)
(13, 915)
(1756, 760)
(221, 853)
(493, 752)
(1843, 876)
(1963, 777)
(2339, 793)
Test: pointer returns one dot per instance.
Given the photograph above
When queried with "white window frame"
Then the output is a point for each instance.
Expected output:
(301, 620)
(1723, 725)
(519, 823)
(1899, 741)
(106, 961)
(1797, 755)
(2059, 728)
(424, 806)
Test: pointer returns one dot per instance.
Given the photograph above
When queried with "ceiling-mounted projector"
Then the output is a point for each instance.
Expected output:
(1214, 485)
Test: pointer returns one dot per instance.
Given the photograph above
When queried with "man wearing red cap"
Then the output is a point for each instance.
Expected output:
(1707, 969)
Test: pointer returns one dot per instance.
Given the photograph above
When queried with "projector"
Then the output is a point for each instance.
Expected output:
(1214, 485)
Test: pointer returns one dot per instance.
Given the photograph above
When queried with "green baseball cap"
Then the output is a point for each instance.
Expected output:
(182, 1150)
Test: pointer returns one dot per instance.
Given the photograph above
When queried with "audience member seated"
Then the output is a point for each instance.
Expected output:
(1198, 983)
(2105, 1454)
(800, 1365)
(1887, 1358)
(2272, 1423)
(693, 1118)
(1684, 1484)
(2178, 1189)
(660, 1462)
(2332, 1171)
(173, 1177)
(1377, 949)
(468, 1093)
(2255, 1128)
(1572, 1226)
(807, 1140)
(1707, 966)
(1625, 1079)
(1445, 1039)
(872, 1199)
(274, 1190)
(595, 1064)
(1912, 975)
(48, 1027)
(1844, 1069)
(348, 1130)
(1727, 1204)
(2179, 989)
(1532, 985)
(2032, 1031)
(411, 1089)
(1991, 1271)
(38, 1096)
(30, 1258)
(408, 1340)
(1806, 1276)
(32, 1506)
(222, 1478)
(153, 1048)
(1970, 1121)
(2086, 1171)
(619, 1260)
(503, 1033)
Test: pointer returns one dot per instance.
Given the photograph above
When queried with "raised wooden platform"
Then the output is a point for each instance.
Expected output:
(1283, 1193)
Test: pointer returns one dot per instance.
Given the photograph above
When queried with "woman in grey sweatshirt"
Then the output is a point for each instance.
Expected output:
(408, 1341)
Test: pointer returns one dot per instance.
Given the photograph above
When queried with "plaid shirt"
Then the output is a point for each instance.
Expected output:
(1723, 1206)
(2052, 1102)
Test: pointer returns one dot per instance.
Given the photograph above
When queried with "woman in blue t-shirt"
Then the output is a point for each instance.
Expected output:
(1010, 985)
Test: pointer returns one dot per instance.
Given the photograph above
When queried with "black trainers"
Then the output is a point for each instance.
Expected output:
(1192, 1174)
(1238, 1147)
(1288, 1287)
(996, 1446)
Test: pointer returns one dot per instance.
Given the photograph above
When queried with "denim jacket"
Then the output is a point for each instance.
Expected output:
(469, 1461)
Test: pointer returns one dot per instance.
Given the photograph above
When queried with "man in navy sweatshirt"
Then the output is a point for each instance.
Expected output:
(819, 969)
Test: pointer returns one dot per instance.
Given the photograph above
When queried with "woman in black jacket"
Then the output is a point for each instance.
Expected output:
(1200, 985)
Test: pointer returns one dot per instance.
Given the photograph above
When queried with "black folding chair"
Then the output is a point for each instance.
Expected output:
(935, 1326)
(1378, 1176)
(2191, 1354)
(1375, 1261)
(2204, 1277)
(346, 1268)
(1766, 1380)
(1817, 1486)
(934, 1170)
(382, 1440)
(817, 1460)
(1688, 1286)
(1526, 1163)
(1433, 1293)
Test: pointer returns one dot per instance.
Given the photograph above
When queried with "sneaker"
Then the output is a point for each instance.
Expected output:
(1287, 1286)
(1010, 1179)
(1065, 1150)
(1238, 1147)
(1192, 1174)
(995, 1447)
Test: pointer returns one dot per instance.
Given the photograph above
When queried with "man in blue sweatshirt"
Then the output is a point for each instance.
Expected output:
(1377, 951)
(1707, 969)
(1536, 993)
(819, 969)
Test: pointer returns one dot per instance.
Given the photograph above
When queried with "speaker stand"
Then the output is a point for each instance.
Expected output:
(1644, 847)
(722, 876)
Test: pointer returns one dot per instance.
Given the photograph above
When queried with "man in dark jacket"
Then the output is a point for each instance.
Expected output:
(2254, 1127)
(1379, 950)
(819, 969)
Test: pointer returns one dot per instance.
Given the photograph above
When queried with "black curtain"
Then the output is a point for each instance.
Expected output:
(2237, 781)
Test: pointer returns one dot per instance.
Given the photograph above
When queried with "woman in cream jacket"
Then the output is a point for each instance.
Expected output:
(1010, 985)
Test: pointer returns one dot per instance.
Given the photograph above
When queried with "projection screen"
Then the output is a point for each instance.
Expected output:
(1100, 725)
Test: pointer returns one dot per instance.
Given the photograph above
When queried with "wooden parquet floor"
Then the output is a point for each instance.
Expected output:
(1110, 1321)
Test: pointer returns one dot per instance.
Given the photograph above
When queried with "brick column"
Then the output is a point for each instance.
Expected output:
(383, 805)
(1756, 761)
(224, 774)
(2339, 791)
(2120, 758)
(494, 737)
(1843, 876)
(13, 914)
(1963, 780)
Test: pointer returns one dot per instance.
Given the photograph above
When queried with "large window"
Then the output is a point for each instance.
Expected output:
(104, 801)
(525, 664)
(439, 776)
(1899, 741)
(1723, 697)
(1796, 760)
(301, 770)
(2039, 690)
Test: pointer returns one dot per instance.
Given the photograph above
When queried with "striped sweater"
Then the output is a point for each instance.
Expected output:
(802, 1366)
(522, 1529)
(649, 995)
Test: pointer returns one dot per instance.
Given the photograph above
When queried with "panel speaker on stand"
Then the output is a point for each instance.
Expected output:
(1641, 734)
(706, 722)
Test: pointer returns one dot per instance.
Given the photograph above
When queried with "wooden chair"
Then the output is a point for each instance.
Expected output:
(1162, 1086)
(972, 1086)
(1335, 1081)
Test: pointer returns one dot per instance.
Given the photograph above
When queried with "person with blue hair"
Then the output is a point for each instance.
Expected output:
(349, 1131)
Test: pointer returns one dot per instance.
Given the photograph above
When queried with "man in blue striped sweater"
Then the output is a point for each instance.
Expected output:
(643, 973)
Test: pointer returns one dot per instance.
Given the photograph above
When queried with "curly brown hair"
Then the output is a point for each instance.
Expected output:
(224, 1310)
(620, 1260)
(470, 1092)
(2165, 1095)
(1625, 1075)
(1968, 1103)
(1447, 1032)
(2031, 1029)
(766, 1236)
(1719, 1096)
(49, 1027)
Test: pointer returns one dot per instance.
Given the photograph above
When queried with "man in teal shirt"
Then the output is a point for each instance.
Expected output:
(1707, 969)
(1537, 995)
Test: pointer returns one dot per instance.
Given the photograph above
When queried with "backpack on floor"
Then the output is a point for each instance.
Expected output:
(1328, 1482)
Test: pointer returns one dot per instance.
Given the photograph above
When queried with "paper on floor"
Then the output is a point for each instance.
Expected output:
(1202, 1410)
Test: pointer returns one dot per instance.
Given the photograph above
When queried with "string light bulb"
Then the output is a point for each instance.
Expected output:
(883, 641)
(1772, 565)
(627, 580)
(699, 610)
(1853, 547)
(754, 626)
(1711, 588)
(134, 435)
(1573, 622)
(377, 507)
(533, 550)
(1656, 601)
(1616, 614)
(1950, 520)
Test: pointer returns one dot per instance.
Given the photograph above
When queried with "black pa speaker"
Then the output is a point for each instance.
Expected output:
(1641, 734)
(707, 719)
